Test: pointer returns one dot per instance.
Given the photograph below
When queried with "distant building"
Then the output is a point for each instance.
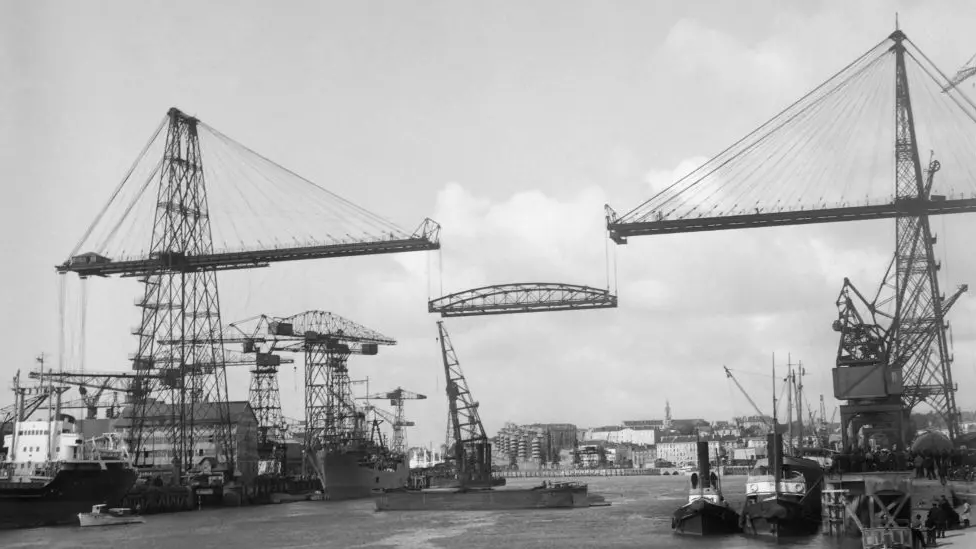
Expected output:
(644, 458)
(616, 434)
(682, 450)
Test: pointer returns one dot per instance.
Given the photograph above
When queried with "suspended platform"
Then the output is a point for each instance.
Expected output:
(528, 297)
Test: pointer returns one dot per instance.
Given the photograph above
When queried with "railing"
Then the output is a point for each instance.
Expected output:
(885, 538)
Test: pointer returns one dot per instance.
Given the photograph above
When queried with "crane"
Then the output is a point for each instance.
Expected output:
(466, 438)
(966, 71)
(332, 419)
(397, 398)
(179, 269)
(762, 416)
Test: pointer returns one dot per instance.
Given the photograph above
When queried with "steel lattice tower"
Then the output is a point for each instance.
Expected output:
(910, 359)
(330, 415)
(920, 348)
(179, 336)
(265, 400)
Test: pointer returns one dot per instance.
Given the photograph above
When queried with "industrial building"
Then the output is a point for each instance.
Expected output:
(158, 449)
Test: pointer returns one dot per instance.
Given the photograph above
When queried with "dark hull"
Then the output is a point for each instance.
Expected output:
(75, 489)
(703, 518)
(482, 500)
(347, 478)
(778, 519)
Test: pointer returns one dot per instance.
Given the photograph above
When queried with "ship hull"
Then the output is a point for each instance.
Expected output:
(778, 518)
(703, 518)
(346, 477)
(481, 500)
(75, 489)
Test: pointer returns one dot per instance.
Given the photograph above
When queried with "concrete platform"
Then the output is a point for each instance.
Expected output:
(958, 539)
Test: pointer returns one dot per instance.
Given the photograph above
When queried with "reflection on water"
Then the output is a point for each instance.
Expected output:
(639, 517)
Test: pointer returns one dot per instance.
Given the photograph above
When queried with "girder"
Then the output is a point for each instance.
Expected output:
(621, 230)
(522, 298)
(175, 262)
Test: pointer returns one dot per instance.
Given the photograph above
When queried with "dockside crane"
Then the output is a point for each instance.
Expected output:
(467, 443)
(397, 397)
(178, 265)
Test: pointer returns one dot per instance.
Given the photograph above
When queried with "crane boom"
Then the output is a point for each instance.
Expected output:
(755, 406)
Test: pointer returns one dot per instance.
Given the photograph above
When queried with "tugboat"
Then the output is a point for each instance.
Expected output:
(102, 515)
(707, 512)
(782, 495)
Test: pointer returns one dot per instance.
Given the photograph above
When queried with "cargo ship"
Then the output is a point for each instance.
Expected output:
(465, 498)
(51, 474)
(354, 470)
(782, 495)
(707, 511)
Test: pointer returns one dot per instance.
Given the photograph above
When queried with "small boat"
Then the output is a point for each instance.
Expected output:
(707, 512)
(102, 515)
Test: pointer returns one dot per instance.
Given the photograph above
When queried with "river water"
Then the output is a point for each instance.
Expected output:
(640, 516)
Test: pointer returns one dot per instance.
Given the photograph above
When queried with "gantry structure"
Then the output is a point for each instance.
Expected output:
(180, 358)
(810, 164)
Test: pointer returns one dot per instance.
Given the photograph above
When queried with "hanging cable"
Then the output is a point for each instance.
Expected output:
(61, 324)
(84, 319)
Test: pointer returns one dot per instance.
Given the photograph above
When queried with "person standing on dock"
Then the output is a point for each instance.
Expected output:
(917, 538)
(964, 516)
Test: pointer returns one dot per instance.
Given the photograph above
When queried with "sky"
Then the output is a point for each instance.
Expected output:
(511, 124)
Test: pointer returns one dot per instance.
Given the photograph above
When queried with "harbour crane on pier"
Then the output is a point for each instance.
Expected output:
(397, 398)
(178, 265)
(796, 169)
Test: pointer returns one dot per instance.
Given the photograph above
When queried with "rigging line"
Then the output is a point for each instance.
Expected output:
(119, 187)
(330, 210)
(84, 318)
(771, 120)
(61, 297)
(946, 79)
(354, 205)
(132, 204)
(768, 134)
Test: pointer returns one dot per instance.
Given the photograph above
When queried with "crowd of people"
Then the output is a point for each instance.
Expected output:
(928, 464)
(939, 518)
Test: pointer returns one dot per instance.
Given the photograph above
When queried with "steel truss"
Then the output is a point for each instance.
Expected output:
(522, 298)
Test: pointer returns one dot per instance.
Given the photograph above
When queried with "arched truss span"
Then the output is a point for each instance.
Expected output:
(527, 297)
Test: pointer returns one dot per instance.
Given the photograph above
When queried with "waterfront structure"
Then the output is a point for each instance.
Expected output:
(157, 450)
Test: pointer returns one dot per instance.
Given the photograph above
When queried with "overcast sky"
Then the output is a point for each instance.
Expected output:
(511, 124)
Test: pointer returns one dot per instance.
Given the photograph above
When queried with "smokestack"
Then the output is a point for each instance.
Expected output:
(703, 465)
(774, 449)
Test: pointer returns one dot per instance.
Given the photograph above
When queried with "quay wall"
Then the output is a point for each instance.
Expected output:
(557, 473)
(171, 499)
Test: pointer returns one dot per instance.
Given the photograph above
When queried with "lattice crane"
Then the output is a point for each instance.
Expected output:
(467, 443)
(397, 398)
(332, 419)
(178, 268)
(797, 168)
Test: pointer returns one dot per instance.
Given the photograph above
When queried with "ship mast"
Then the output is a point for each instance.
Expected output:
(799, 404)
(789, 402)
